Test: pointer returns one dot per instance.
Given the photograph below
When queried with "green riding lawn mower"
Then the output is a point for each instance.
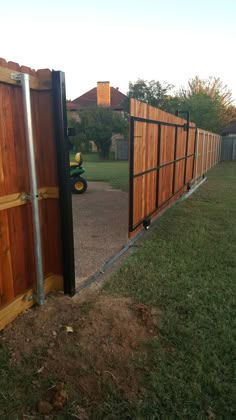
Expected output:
(78, 183)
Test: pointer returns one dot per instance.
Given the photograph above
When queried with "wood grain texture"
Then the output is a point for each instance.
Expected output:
(6, 275)
(24, 301)
(20, 199)
(195, 154)
(208, 151)
(21, 246)
(36, 82)
(17, 261)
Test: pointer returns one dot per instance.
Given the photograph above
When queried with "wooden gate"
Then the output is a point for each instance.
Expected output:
(162, 159)
(17, 261)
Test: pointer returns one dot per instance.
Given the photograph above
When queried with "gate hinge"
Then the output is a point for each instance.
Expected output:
(16, 76)
(28, 298)
(26, 197)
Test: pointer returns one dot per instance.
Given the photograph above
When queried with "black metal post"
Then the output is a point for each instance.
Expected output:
(62, 149)
(131, 173)
(158, 163)
(174, 164)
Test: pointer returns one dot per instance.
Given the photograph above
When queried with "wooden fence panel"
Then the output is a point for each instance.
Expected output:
(17, 261)
(208, 151)
(166, 156)
(160, 169)
(190, 153)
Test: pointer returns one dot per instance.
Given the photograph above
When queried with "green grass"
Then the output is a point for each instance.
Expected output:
(92, 157)
(17, 391)
(187, 268)
(111, 171)
(116, 173)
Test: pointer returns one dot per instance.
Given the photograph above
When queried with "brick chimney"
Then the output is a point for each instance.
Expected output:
(103, 94)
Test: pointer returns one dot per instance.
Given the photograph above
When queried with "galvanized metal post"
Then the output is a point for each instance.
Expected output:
(24, 79)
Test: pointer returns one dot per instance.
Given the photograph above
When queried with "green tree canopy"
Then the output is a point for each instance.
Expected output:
(209, 101)
(98, 125)
(152, 92)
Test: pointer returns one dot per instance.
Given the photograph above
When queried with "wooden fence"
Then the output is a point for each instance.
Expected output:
(207, 152)
(167, 154)
(17, 261)
(228, 147)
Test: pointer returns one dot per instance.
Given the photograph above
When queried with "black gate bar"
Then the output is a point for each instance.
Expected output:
(62, 148)
(131, 173)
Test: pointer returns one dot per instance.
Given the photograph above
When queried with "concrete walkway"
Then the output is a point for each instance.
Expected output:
(100, 218)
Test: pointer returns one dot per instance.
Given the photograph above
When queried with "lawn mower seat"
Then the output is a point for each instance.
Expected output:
(78, 160)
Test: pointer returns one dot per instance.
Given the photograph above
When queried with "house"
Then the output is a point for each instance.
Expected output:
(230, 129)
(228, 142)
(102, 95)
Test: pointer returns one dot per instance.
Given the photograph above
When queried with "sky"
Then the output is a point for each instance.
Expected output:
(122, 40)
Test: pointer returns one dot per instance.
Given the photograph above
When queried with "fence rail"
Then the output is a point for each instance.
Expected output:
(17, 258)
(167, 154)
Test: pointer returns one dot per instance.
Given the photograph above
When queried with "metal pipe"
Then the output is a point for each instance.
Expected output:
(25, 79)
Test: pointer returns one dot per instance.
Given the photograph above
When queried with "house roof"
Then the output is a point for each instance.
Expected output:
(71, 106)
(89, 100)
(230, 128)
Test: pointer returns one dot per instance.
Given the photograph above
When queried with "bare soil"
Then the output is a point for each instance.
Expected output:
(100, 218)
(85, 345)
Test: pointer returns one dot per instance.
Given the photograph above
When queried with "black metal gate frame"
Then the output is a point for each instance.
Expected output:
(157, 168)
(62, 148)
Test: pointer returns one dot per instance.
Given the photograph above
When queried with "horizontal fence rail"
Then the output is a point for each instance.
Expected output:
(167, 154)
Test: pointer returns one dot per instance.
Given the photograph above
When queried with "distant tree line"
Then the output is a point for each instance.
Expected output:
(209, 102)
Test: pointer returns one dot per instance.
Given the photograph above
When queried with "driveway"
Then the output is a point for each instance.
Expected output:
(100, 218)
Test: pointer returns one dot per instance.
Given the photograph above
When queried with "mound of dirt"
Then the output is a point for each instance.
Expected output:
(87, 346)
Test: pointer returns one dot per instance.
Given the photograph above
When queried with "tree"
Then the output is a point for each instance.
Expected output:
(77, 142)
(152, 92)
(98, 125)
(209, 102)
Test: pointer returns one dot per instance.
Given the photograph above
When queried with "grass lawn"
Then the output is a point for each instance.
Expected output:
(112, 171)
(186, 267)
